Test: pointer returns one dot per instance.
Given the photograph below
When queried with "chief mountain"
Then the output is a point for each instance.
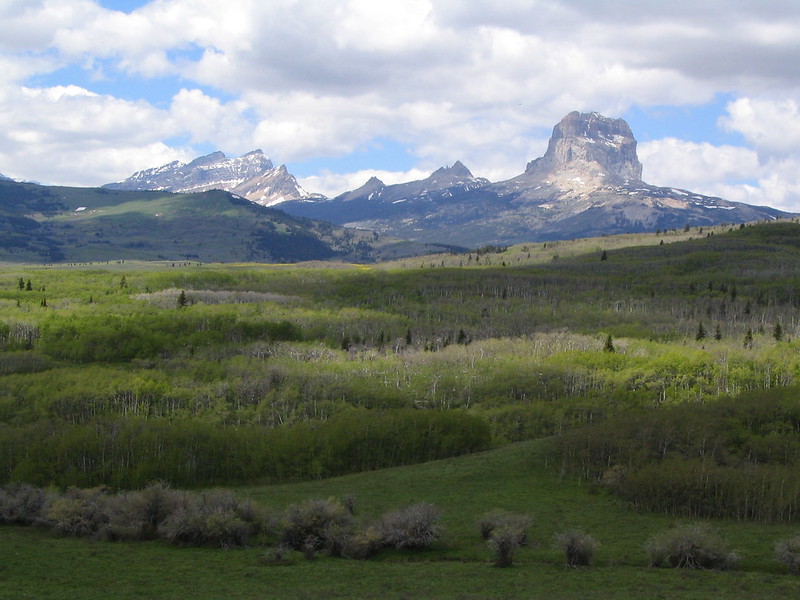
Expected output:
(215, 208)
(588, 183)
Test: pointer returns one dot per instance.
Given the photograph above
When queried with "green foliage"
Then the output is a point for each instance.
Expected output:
(734, 458)
(131, 452)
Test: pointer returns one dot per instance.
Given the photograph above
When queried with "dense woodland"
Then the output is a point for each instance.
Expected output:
(125, 373)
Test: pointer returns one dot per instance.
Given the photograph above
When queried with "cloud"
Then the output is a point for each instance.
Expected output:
(773, 127)
(481, 81)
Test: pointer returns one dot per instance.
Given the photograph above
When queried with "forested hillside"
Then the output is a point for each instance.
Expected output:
(125, 373)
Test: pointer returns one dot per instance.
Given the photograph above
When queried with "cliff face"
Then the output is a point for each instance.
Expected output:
(592, 147)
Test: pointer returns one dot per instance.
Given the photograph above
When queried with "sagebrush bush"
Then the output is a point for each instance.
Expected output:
(308, 526)
(216, 519)
(138, 515)
(364, 543)
(414, 527)
(23, 504)
(578, 547)
(79, 513)
(500, 519)
(694, 546)
(788, 552)
(505, 541)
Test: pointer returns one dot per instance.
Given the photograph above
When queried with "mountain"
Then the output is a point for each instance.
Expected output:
(378, 205)
(588, 183)
(4, 178)
(252, 176)
(62, 224)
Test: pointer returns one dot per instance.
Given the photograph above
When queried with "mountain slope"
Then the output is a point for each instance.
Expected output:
(252, 176)
(588, 183)
(60, 224)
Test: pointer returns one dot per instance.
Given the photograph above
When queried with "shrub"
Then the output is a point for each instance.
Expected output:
(414, 527)
(23, 504)
(309, 525)
(79, 513)
(217, 519)
(578, 547)
(501, 519)
(138, 515)
(788, 552)
(505, 541)
(694, 546)
(363, 544)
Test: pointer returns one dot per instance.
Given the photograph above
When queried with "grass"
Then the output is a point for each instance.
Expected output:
(34, 564)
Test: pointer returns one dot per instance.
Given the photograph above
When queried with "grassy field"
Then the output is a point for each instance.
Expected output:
(34, 564)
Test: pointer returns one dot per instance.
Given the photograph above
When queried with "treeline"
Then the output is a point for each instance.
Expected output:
(131, 452)
(736, 457)
(119, 338)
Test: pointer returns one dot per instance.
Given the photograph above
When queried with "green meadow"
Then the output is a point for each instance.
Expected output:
(621, 386)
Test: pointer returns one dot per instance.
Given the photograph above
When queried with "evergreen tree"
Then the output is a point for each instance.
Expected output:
(28, 286)
(182, 299)
(777, 333)
(609, 345)
(748, 338)
(604, 256)
(717, 333)
(21, 283)
(701, 332)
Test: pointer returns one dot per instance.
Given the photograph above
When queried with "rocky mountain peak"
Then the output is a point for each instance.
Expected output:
(589, 146)
(4, 178)
(252, 176)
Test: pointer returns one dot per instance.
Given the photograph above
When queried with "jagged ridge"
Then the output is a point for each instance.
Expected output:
(252, 176)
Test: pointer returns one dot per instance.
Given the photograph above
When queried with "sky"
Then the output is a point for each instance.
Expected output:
(340, 90)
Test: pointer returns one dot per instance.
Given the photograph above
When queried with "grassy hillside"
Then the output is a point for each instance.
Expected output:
(60, 224)
(37, 565)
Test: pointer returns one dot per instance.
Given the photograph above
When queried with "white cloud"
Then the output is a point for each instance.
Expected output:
(773, 127)
(691, 165)
(480, 81)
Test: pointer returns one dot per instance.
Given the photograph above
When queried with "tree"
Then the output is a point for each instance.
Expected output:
(717, 333)
(609, 345)
(748, 338)
(182, 299)
(123, 283)
(777, 332)
(604, 256)
(21, 283)
(701, 332)
(28, 286)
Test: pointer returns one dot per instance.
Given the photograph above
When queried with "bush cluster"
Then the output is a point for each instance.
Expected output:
(329, 525)
(185, 518)
(692, 546)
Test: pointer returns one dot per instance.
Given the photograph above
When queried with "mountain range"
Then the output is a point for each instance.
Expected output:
(588, 183)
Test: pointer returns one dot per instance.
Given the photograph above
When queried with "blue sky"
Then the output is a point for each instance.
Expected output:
(340, 90)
